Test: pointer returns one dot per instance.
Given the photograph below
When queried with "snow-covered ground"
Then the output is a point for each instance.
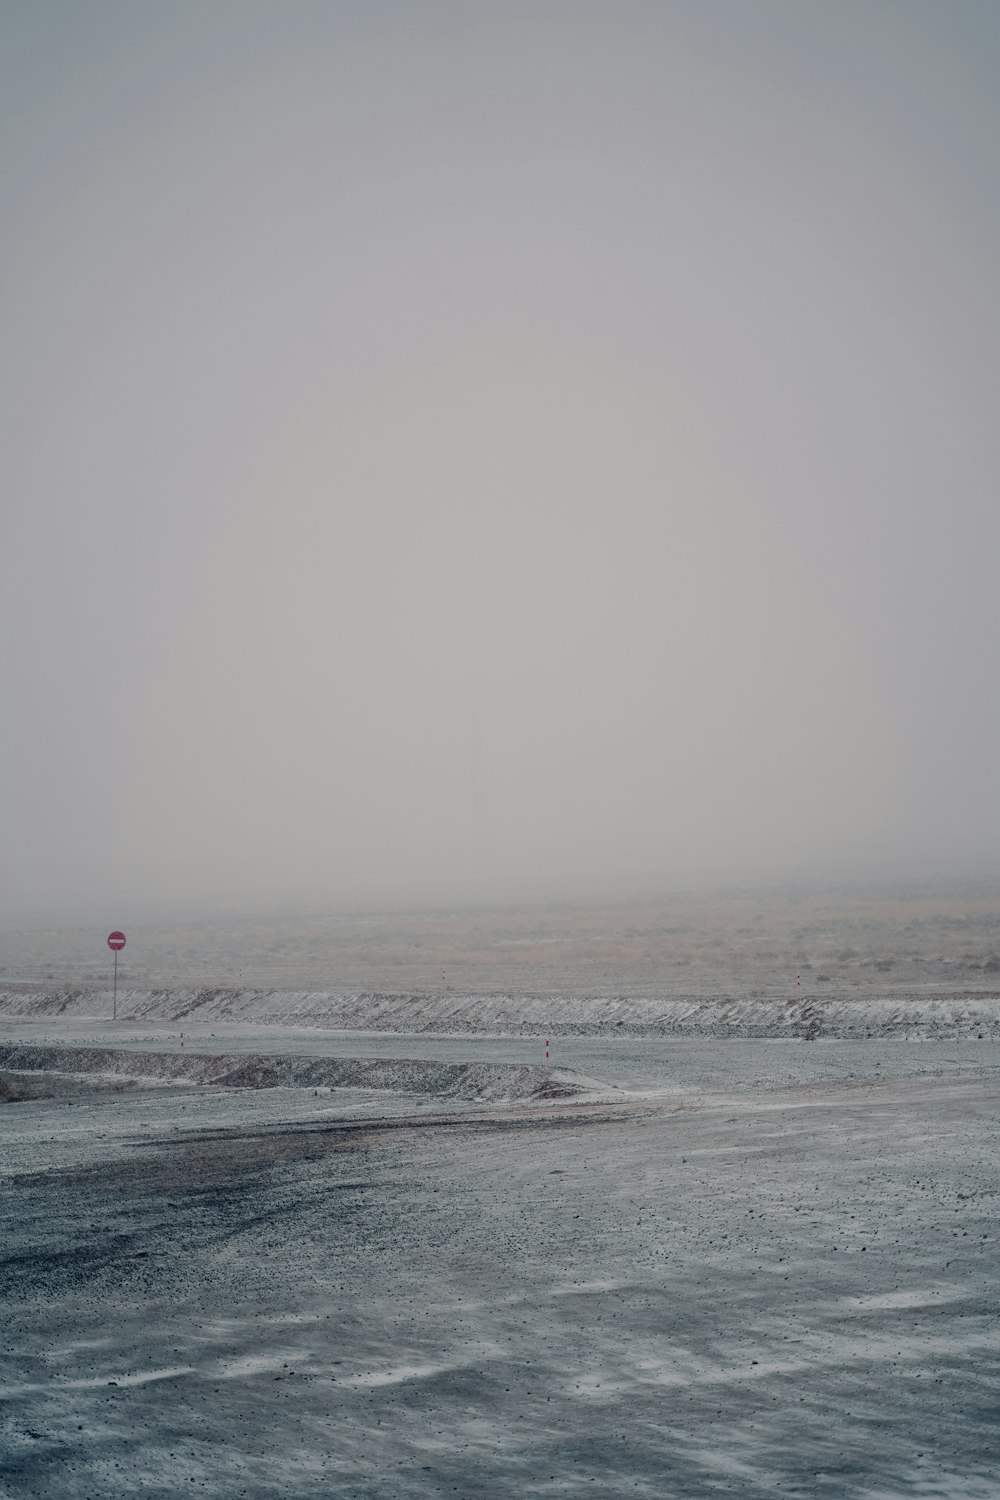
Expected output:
(740, 1266)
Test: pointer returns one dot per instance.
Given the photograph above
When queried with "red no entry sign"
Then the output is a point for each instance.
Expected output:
(116, 941)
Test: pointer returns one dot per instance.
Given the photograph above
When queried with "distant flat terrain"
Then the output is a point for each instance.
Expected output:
(917, 936)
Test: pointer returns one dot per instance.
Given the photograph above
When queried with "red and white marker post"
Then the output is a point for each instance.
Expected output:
(116, 942)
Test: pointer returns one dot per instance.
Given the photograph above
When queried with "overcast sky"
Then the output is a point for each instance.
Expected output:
(464, 447)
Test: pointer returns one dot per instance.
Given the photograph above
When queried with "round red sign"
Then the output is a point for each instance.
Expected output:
(116, 940)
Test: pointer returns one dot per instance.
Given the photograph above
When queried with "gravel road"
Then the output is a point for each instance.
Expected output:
(745, 1267)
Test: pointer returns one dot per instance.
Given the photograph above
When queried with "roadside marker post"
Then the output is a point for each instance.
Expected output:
(546, 1047)
(116, 942)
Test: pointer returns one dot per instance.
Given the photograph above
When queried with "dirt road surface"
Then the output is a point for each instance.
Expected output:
(725, 1268)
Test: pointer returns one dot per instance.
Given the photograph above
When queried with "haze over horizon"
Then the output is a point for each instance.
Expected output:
(533, 448)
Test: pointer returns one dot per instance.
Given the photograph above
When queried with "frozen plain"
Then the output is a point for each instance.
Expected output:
(742, 1266)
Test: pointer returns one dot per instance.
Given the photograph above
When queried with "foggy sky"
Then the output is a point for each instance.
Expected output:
(459, 447)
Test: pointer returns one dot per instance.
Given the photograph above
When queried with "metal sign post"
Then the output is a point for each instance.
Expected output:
(116, 942)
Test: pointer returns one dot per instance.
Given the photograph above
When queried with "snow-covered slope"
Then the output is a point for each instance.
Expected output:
(442, 1080)
(971, 1014)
